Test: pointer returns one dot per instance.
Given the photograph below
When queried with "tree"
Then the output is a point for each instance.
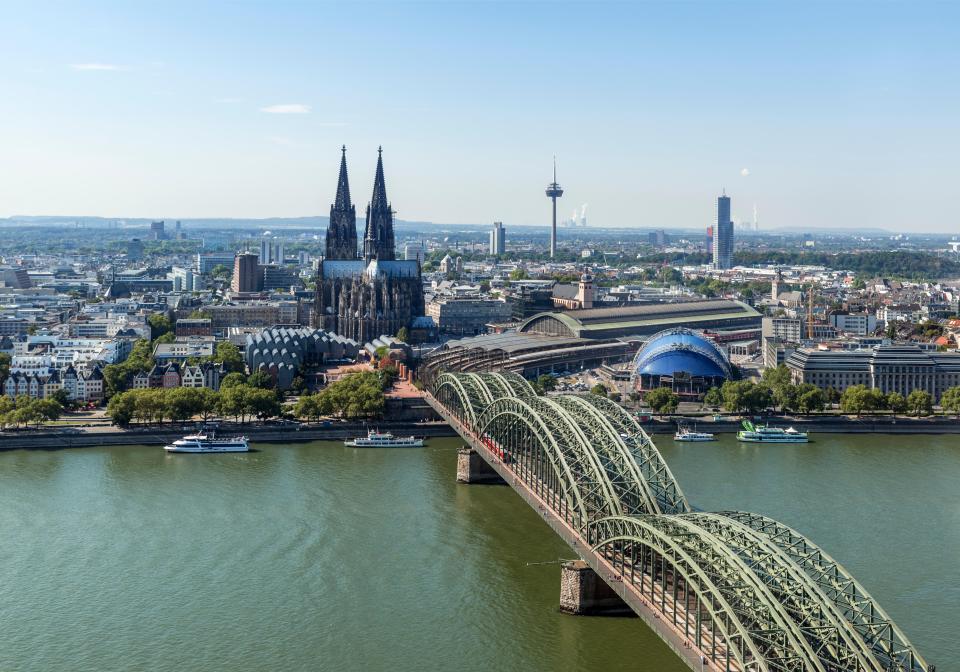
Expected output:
(855, 400)
(308, 406)
(403, 334)
(233, 401)
(776, 376)
(298, 385)
(599, 390)
(358, 395)
(810, 401)
(160, 324)
(149, 405)
(950, 400)
(220, 271)
(547, 382)
(229, 355)
(182, 403)
(4, 365)
(897, 403)
(519, 274)
(743, 396)
(117, 377)
(759, 398)
(786, 396)
(919, 402)
(891, 330)
(47, 410)
(831, 395)
(7, 407)
(261, 380)
(262, 403)
(662, 400)
(232, 379)
(121, 408)
(62, 397)
(713, 398)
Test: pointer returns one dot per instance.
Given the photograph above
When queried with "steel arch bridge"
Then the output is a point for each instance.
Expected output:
(745, 591)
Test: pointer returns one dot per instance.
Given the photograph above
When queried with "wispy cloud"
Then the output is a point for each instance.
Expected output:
(281, 140)
(99, 66)
(745, 172)
(287, 108)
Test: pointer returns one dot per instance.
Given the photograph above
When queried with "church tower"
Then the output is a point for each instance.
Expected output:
(342, 230)
(378, 239)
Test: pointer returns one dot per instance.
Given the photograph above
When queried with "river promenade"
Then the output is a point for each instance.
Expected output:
(832, 424)
(48, 438)
(55, 439)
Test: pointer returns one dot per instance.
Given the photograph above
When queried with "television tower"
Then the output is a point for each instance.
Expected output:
(553, 193)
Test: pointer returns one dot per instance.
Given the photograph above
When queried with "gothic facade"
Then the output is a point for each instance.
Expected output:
(362, 298)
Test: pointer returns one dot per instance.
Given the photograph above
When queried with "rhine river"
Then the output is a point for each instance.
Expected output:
(319, 557)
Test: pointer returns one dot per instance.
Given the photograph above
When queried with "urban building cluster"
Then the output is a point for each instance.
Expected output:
(672, 308)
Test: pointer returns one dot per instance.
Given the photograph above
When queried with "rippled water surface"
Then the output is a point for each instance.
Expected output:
(319, 557)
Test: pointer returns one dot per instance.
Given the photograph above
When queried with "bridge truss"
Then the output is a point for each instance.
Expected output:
(746, 590)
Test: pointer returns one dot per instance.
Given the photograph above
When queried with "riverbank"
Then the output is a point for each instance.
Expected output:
(161, 435)
(834, 424)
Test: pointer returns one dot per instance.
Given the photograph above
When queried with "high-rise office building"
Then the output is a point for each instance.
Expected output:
(134, 250)
(498, 239)
(246, 273)
(271, 251)
(723, 235)
(157, 231)
(413, 252)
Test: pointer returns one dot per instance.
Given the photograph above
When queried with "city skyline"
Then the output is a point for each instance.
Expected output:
(236, 111)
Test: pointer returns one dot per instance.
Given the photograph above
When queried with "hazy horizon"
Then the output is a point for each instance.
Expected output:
(823, 115)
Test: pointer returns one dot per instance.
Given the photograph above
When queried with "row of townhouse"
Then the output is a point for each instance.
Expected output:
(173, 374)
(84, 386)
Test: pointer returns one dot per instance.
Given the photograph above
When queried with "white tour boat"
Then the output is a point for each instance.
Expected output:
(765, 434)
(375, 439)
(204, 443)
(687, 434)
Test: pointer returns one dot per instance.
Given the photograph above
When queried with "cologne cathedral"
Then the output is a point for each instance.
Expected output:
(369, 296)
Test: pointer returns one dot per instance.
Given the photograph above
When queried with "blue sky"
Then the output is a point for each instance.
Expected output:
(842, 114)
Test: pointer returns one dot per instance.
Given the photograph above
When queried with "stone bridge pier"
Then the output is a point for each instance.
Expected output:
(472, 468)
(584, 593)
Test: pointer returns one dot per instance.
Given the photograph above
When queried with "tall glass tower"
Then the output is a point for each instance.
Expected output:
(723, 235)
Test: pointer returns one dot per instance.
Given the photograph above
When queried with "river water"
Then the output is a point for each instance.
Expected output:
(319, 557)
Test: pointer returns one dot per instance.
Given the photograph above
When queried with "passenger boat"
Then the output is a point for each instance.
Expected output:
(375, 439)
(207, 443)
(687, 434)
(765, 434)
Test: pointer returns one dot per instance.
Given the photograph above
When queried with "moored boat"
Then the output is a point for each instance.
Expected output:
(207, 443)
(375, 439)
(691, 435)
(766, 434)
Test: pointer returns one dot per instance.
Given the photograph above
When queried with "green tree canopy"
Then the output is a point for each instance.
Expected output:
(919, 402)
(662, 400)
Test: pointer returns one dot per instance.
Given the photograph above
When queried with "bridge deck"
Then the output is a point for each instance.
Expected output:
(665, 613)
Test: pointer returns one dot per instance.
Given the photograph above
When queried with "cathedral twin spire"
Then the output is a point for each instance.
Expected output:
(378, 240)
(342, 229)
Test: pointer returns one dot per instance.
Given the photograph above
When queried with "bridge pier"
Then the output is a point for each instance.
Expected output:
(472, 468)
(583, 592)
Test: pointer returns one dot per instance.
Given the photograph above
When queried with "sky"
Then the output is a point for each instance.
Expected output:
(822, 114)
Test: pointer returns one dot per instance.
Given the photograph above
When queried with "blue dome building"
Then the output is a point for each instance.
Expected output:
(681, 359)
